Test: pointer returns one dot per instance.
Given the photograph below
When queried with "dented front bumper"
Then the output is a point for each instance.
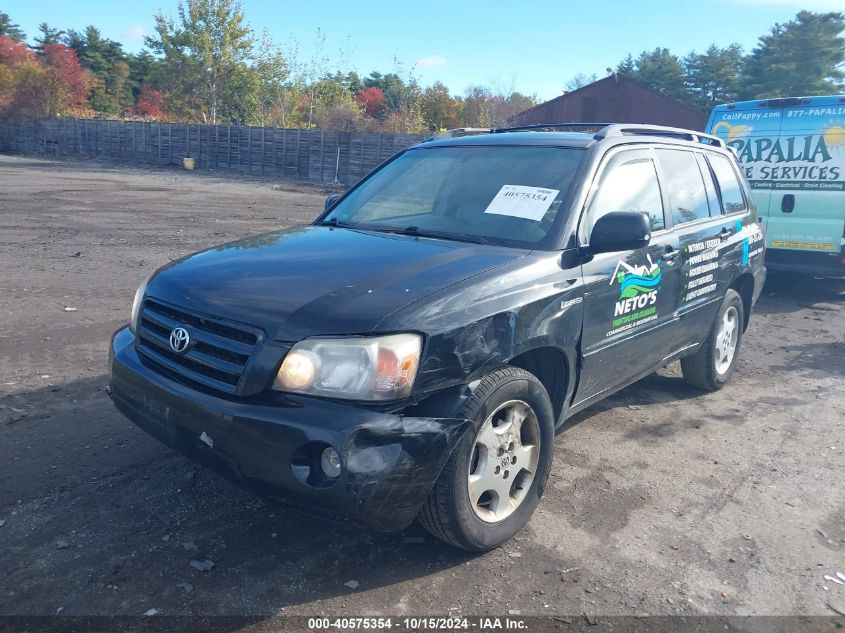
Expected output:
(390, 461)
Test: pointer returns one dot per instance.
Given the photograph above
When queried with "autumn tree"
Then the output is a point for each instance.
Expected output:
(142, 68)
(272, 97)
(150, 104)
(439, 109)
(335, 107)
(484, 108)
(372, 100)
(17, 65)
(68, 83)
(391, 85)
(35, 88)
(205, 54)
(13, 52)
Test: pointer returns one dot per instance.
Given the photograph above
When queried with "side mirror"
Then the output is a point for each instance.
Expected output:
(331, 200)
(620, 231)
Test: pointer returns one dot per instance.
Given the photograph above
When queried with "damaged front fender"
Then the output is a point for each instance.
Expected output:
(392, 468)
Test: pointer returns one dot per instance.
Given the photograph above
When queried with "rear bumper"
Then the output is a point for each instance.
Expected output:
(806, 262)
(390, 461)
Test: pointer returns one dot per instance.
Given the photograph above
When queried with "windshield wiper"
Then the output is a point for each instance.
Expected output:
(471, 237)
(446, 235)
(332, 222)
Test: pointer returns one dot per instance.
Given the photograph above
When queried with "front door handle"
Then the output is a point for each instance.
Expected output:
(725, 233)
(669, 254)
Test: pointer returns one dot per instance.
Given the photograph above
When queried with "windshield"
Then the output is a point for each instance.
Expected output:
(505, 195)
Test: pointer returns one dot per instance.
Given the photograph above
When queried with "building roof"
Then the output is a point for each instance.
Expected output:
(615, 79)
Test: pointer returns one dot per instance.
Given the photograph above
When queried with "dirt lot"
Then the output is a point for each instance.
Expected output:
(662, 500)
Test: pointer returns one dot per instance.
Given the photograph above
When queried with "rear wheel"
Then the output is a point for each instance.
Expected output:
(712, 366)
(494, 479)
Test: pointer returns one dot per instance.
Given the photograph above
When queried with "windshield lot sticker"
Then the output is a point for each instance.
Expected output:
(638, 288)
(517, 201)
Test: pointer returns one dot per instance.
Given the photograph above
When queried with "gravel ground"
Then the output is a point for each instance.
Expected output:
(662, 500)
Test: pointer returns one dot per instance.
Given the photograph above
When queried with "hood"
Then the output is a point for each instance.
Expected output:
(315, 280)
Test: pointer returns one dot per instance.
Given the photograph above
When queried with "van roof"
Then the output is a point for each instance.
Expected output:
(782, 102)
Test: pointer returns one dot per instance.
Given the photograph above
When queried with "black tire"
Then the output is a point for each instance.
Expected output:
(448, 512)
(700, 369)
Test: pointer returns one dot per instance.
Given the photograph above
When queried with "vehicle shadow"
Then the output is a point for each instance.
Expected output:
(822, 359)
(785, 292)
(664, 386)
(96, 511)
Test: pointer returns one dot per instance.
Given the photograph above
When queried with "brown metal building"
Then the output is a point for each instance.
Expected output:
(614, 99)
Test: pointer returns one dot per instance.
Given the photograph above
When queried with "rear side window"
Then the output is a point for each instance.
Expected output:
(685, 185)
(629, 183)
(728, 183)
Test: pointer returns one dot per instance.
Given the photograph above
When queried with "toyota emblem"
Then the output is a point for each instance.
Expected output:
(180, 339)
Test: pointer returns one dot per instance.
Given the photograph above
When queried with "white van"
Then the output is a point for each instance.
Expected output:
(793, 153)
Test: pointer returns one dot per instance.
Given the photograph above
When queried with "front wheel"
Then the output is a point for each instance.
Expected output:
(712, 366)
(494, 479)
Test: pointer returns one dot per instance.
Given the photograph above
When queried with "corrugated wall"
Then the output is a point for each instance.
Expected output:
(317, 156)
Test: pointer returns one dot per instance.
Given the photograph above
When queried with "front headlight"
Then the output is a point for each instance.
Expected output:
(136, 305)
(354, 368)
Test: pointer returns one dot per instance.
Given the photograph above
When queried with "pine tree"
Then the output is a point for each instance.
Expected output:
(10, 29)
(660, 70)
(48, 35)
(627, 66)
(108, 62)
(802, 57)
(715, 76)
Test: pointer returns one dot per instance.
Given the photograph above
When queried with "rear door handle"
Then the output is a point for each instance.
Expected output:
(669, 254)
(725, 233)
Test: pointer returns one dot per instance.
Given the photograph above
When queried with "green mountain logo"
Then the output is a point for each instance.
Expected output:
(636, 280)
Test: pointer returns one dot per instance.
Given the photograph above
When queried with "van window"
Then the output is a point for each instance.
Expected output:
(629, 183)
(685, 185)
(731, 192)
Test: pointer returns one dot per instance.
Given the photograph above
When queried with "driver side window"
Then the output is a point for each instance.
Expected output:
(629, 183)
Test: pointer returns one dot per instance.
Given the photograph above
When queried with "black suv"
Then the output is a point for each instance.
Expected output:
(411, 353)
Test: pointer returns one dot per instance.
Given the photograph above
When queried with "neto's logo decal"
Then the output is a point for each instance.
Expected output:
(638, 287)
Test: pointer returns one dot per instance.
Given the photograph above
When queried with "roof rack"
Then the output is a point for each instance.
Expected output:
(548, 126)
(605, 130)
(460, 131)
(627, 129)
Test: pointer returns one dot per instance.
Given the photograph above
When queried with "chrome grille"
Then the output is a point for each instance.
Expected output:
(218, 353)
